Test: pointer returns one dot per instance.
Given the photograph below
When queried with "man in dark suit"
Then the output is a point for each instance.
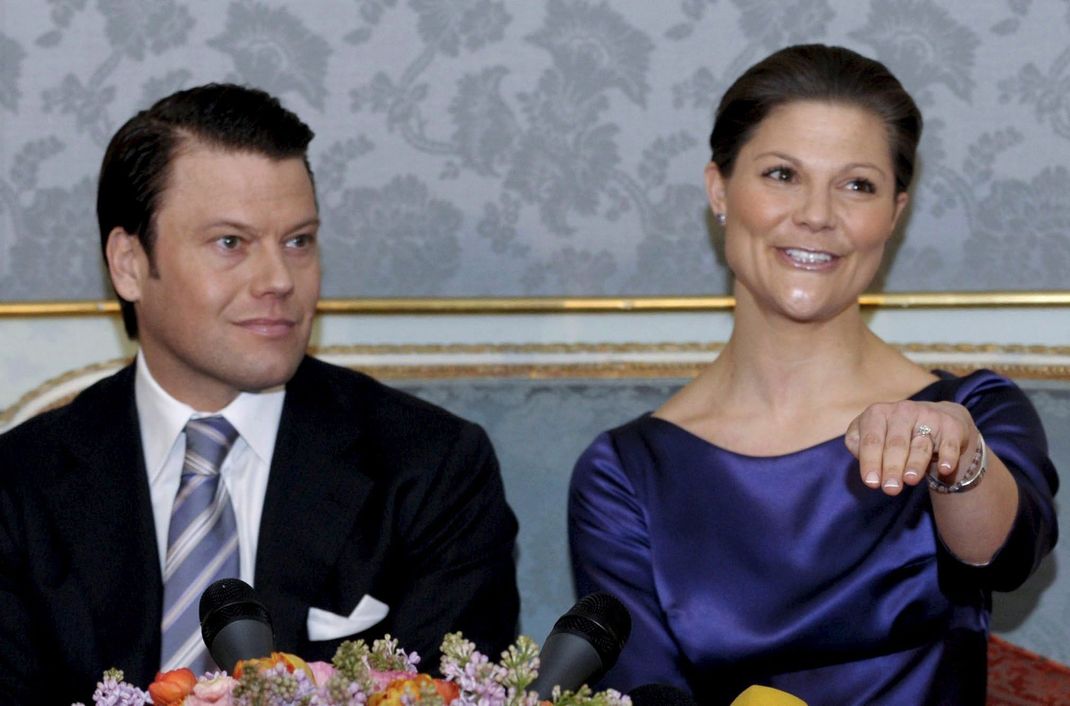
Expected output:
(355, 510)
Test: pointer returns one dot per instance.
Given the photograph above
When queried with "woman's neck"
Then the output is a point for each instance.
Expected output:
(805, 380)
(785, 365)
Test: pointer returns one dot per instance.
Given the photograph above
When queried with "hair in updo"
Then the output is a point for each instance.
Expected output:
(816, 72)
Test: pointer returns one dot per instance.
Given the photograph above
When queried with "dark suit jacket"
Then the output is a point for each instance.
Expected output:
(371, 491)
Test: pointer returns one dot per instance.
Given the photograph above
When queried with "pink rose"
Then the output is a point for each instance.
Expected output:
(212, 692)
(321, 672)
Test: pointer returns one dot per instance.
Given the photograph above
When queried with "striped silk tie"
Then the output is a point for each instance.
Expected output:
(202, 543)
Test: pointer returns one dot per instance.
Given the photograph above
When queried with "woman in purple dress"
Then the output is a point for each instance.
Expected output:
(814, 512)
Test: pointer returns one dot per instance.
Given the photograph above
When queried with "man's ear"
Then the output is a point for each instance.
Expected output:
(715, 188)
(128, 265)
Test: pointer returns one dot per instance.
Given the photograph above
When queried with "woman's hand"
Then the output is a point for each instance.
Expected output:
(896, 442)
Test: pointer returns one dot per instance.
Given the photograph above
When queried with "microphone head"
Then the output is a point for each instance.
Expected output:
(226, 601)
(603, 621)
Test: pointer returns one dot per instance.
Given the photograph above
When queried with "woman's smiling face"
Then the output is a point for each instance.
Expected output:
(810, 205)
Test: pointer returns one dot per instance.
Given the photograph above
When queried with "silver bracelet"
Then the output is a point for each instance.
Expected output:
(971, 479)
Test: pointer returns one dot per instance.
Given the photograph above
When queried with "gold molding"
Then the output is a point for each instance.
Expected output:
(629, 370)
(47, 386)
(552, 370)
(656, 347)
(385, 349)
(638, 368)
(58, 308)
(584, 305)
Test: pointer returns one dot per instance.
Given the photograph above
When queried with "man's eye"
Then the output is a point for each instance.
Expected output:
(230, 242)
(301, 241)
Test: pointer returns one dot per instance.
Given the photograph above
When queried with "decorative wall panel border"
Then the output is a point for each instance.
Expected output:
(564, 361)
(576, 305)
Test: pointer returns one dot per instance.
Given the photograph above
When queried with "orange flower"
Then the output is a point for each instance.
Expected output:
(292, 663)
(410, 686)
(447, 690)
(172, 688)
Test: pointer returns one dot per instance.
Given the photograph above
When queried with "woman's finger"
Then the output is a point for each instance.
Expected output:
(953, 443)
(851, 437)
(921, 453)
(896, 449)
(871, 432)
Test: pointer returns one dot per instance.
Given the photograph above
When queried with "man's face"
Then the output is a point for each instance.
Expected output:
(228, 306)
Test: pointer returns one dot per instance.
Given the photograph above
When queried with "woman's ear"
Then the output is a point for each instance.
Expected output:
(715, 188)
(901, 201)
(128, 265)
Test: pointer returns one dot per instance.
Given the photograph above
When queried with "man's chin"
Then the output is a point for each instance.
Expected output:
(259, 388)
(269, 379)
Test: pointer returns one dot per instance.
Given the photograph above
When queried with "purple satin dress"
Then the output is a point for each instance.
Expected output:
(788, 571)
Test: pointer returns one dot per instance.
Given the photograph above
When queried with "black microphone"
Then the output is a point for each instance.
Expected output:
(235, 625)
(660, 695)
(583, 644)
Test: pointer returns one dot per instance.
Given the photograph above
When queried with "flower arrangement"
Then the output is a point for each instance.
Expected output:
(382, 675)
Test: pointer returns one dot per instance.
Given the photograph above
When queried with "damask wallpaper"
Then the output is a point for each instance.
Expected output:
(536, 147)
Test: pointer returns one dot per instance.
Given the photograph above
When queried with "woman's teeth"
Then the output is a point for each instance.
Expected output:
(808, 257)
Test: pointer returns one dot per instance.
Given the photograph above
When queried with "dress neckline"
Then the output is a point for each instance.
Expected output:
(942, 375)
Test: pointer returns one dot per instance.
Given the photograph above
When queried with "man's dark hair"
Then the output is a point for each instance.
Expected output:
(137, 163)
(815, 72)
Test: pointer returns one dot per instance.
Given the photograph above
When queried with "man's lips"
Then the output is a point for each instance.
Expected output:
(268, 327)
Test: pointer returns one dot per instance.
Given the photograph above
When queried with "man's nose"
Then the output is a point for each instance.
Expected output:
(272, 274)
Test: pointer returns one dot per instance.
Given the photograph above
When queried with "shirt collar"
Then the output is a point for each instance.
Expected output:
(255, 415)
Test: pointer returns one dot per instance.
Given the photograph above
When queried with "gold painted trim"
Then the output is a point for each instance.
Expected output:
(663, 347)
(47, 386)
(64, 308)
(634, 369)
(937, 300)
(514, 348)
(584, 305)
(631, 370)
(595, 370)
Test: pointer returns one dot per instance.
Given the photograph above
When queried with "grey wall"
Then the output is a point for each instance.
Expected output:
(535, 147)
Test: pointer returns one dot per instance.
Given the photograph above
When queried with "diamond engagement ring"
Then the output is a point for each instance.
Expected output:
(924, 430)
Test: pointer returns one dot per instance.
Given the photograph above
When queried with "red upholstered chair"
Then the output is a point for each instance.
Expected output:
(1017, 677)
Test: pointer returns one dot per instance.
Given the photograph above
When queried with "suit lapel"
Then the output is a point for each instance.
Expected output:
(103, 513)
(316, 489)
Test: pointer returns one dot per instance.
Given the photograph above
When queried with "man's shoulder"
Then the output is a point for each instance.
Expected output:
(378, 407)
(88, 407)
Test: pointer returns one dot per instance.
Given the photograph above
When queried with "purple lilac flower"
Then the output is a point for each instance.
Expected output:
(114, 692)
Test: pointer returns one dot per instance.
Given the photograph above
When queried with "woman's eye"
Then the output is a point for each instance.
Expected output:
(780, 173)
(864, 186)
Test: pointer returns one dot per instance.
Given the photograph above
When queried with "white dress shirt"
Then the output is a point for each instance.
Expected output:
(245, 469)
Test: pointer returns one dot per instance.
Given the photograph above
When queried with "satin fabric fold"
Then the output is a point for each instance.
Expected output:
(787, 571)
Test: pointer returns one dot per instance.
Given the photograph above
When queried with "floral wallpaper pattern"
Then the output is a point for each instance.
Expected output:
(536, 147)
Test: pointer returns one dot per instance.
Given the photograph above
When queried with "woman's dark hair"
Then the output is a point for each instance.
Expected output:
(138, 160)
(815, 72)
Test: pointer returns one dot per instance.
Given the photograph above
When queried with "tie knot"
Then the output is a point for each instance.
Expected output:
(207, 442)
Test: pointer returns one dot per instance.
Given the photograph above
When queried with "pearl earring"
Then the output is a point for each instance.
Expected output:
(720, 218)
